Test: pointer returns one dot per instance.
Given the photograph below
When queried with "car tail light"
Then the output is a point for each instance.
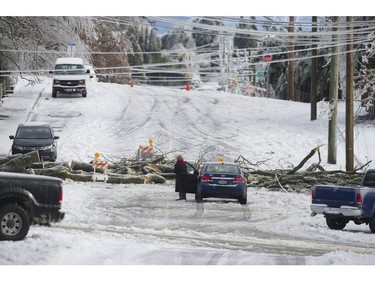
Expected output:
(358, 199)
(206, 178)
(312, 194)
(239, 179)
(61, 196)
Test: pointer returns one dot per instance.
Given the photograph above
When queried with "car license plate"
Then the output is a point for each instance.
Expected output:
(222, 182)
(69, 90)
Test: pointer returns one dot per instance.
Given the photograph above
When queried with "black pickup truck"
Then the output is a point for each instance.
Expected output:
(26, 200)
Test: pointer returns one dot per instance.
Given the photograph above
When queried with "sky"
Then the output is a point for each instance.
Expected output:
(191, 8)
(130, 225)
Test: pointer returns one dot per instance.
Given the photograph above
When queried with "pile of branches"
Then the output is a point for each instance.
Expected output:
(158, 169)
(155, 170)
(296, 180)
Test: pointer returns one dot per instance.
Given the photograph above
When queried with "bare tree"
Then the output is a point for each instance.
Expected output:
(30, 44)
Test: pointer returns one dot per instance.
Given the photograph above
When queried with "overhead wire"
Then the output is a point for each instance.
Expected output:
(287, 34)
(215, 51)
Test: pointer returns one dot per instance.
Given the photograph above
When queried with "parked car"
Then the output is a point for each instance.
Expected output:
(222, 180)
(35, 136)
(341, 204)
(92, 74)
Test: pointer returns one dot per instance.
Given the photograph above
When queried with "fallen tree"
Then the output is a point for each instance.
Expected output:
(294, 179)
(19, 163)
(158, 169)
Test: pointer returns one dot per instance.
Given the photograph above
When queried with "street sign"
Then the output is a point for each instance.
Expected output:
(267, 58)
(260, 74)
(71, 49)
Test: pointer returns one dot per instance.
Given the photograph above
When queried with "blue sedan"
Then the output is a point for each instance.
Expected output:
(222, 180)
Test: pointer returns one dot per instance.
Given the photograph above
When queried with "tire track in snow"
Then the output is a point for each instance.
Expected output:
(256, 241)
(208, 134)
(140, 124)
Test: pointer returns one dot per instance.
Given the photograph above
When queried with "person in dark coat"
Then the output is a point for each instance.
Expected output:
(180, 169)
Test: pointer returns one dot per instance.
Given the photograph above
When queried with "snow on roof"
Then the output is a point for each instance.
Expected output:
(69, 61)
(34, 123)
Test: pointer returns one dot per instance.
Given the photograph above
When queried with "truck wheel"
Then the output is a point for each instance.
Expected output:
(54, 94)
(336, 223)
(84, 94)
(372, 225)
(14, 222)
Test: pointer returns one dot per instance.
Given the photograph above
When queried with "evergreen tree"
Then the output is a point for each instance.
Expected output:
(203, 36)
(245, 41)
(30, 40)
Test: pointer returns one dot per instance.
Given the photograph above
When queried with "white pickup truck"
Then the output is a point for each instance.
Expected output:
(69, 77)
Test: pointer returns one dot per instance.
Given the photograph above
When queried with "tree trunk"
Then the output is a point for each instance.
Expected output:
(20, 163)
(74, 165)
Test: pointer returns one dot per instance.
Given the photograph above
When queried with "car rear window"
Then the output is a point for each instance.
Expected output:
(222, 169)
(34, 133)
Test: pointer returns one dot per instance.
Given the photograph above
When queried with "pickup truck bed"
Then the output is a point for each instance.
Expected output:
(26, 200)
(341, 204)
(336, 200)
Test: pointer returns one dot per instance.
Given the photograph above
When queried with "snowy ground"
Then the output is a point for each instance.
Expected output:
(143, 224)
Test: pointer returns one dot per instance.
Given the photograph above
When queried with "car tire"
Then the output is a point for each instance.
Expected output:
(84, 94)
(336, 223)
(14, 222)
(54, 94)
(198, 197)
(242, 201)
(372, 225)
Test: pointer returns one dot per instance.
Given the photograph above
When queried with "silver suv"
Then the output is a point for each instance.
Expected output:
(35, 136)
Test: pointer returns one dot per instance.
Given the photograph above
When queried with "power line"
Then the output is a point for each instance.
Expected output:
(303, 37)
(232, 30)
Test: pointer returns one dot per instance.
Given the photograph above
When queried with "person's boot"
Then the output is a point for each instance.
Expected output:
(181, 197)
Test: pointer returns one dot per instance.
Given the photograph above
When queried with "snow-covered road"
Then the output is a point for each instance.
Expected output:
(143, 224)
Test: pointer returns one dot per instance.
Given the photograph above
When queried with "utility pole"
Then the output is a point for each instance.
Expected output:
(349, 139)
(333, 96)
(314, 76)
(291, 60)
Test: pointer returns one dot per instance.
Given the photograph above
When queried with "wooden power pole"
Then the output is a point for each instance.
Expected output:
(333, 97)
(314, 78)
(291, 60)
(349, 138)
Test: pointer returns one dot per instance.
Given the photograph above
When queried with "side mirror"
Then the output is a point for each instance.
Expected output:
(11, 137)
(56, 137)
(50, 72)
(88, 71)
